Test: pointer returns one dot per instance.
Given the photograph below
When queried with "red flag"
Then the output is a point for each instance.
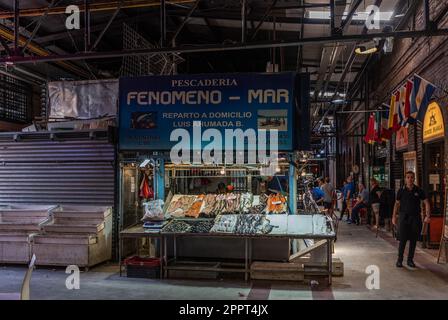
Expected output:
(370, 134)
(407, 101)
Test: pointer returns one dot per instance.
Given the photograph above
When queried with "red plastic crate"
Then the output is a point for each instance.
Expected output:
(139, 261)
(137, 267)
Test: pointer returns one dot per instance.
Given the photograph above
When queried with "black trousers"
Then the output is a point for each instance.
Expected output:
(409, 231)
(402, 247)
(344, 208)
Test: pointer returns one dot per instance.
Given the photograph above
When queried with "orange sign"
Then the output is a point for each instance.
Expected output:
(401, 141)
(433, 126)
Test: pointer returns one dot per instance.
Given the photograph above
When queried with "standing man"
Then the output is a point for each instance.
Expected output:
(408, 209)
(329, 195)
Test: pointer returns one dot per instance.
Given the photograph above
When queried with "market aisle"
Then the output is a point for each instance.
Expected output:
(357, 247)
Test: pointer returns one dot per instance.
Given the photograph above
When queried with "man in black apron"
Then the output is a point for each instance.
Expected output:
(408, 209)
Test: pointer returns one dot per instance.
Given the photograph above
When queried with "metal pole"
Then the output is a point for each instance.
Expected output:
(274, 49)
(332, 13)
(246, 253)
(427, 15)
(329, 262)
(162, 23)
(87, 27)
(260, 23)
(107, 26)
(16, 27)
(243, 21)
(193, 8)
(230, 47)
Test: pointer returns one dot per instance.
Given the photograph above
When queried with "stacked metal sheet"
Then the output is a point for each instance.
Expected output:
(18, 226)
(77, 235)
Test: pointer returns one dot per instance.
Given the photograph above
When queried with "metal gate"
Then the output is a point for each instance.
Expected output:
(38, 170)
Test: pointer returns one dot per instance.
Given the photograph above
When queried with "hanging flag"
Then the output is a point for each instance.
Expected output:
(370, 134)
(420, 97)
(407, 102)
(393, 114)
(386, 132)
(403, 114)
(378, 127)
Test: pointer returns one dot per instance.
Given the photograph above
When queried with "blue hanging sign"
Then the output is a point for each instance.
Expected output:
(152, 107)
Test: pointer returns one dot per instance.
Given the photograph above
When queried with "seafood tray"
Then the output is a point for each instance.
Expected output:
(189, 226)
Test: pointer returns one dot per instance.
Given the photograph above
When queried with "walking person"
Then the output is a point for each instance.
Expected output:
(349, 193)
(363, 202)
(408, 209)
(329, 196)
(375, 194)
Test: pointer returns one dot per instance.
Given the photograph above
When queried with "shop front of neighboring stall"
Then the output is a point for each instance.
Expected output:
(434, 169)
(205, 204)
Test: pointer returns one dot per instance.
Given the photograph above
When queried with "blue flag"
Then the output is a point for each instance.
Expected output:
(420, 97)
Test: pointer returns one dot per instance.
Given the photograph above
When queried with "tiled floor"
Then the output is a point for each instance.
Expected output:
(357, 247)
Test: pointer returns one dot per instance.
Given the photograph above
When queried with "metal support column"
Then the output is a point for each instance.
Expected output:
(184, 22)
(162, 23)
(16, 27)
(332, 16)
(292, 199)
(246, 259)
(428, 25)
(112, 18)
(243, 21)
(329, 261)
(87, 26)
(159, 178)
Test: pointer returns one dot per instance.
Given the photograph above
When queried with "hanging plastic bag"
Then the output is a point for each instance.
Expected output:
(153, 211)
(144, 188)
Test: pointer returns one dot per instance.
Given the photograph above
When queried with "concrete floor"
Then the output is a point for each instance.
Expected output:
(357, 247)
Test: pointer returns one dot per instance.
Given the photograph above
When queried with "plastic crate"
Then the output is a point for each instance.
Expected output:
(137, 267)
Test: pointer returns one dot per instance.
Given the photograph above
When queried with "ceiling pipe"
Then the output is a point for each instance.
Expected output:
(98, 7)
(229, 47)
(7, 34)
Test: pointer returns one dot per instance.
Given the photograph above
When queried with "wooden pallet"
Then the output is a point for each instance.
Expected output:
(310, 266)
(285, 271)
(293, 271)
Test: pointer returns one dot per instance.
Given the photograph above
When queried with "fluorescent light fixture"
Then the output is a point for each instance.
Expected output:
(359, 16)
(144, 163)
(330, 94)
(338, 101)
(360, 50)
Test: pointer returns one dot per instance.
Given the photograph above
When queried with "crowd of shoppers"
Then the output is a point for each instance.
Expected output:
(375, 203)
